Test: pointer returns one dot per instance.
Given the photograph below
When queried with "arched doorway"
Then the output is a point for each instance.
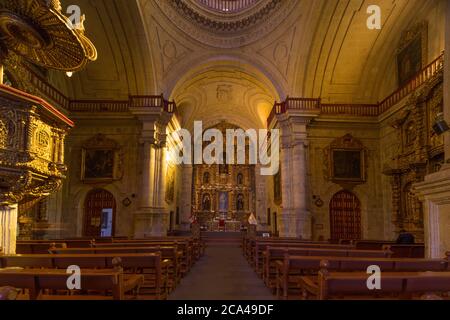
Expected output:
(345, 216)
(99, 214)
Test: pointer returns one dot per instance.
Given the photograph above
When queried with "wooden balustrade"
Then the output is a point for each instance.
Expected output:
(98, 106)
(423, 76)
(361, 110)
(47, 90)
(122, 106)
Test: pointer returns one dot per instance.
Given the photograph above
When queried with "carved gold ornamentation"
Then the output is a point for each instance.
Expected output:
(32, 135)
(39, 32)
(421, 152)
(223, 191)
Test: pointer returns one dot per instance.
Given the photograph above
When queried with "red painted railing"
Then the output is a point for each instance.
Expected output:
(361, 110)
(423, 76)
(98, 106)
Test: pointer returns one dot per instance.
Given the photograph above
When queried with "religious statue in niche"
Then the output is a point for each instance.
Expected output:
(206, 202)
(412, 52)
(410, 133)
(240, 179)
(223, 168)
(206, 178)
(101, 160)
(223, 201)
(240, 202)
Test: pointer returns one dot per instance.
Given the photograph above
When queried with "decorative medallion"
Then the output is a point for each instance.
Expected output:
(226, 24)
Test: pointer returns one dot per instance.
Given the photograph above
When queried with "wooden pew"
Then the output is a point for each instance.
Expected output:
(41, 246)
(293, 268)
(274, 254)
(37, 281)
(400, 250)
(145, 273)
(394, 285)
(261, 251)
(249, 244)
(406, 250)
(170, 254)
(182, 246)
(259, 247)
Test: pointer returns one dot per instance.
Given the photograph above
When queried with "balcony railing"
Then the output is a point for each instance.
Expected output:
(423, 76)
(361, 110)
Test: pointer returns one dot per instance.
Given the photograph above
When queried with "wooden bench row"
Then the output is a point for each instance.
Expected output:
(292, 268)
(41, 246)
(393, 285)
(275, 254)
(170, 254)
(46, 284)
(146, 272)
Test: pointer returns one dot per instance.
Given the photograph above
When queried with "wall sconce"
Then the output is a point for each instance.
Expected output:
(440, 126)
(126, 202)
(318, 201)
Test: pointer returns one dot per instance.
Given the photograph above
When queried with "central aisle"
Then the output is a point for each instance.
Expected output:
(222, 274)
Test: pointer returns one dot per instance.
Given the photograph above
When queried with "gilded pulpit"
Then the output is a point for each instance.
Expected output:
(32, 132)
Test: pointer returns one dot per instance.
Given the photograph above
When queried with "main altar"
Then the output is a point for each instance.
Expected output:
(223, 194)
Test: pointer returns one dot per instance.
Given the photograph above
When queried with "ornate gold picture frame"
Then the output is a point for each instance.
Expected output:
(346, 161)
(100, 160)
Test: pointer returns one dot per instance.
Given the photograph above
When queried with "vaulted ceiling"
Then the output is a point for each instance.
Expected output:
(308, 48)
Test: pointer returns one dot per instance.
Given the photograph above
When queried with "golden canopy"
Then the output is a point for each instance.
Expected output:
(38, 31)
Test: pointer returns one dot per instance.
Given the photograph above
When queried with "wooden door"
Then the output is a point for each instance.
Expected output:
(345, 216)
(96, 202)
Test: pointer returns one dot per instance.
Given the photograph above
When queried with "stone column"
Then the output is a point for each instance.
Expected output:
(299, 177)
(295, 218)
(260, 203)
(285, 222)
(147, 174)
(434, 192)
(186, 197)
(159, 213)
(8, 228)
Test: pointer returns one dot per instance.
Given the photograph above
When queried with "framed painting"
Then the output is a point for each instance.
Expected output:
(412, 53)
(347, 165)
(100, 161)
(223, 201)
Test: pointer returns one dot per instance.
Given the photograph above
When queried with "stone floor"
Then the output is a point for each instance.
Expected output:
(222, 274)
